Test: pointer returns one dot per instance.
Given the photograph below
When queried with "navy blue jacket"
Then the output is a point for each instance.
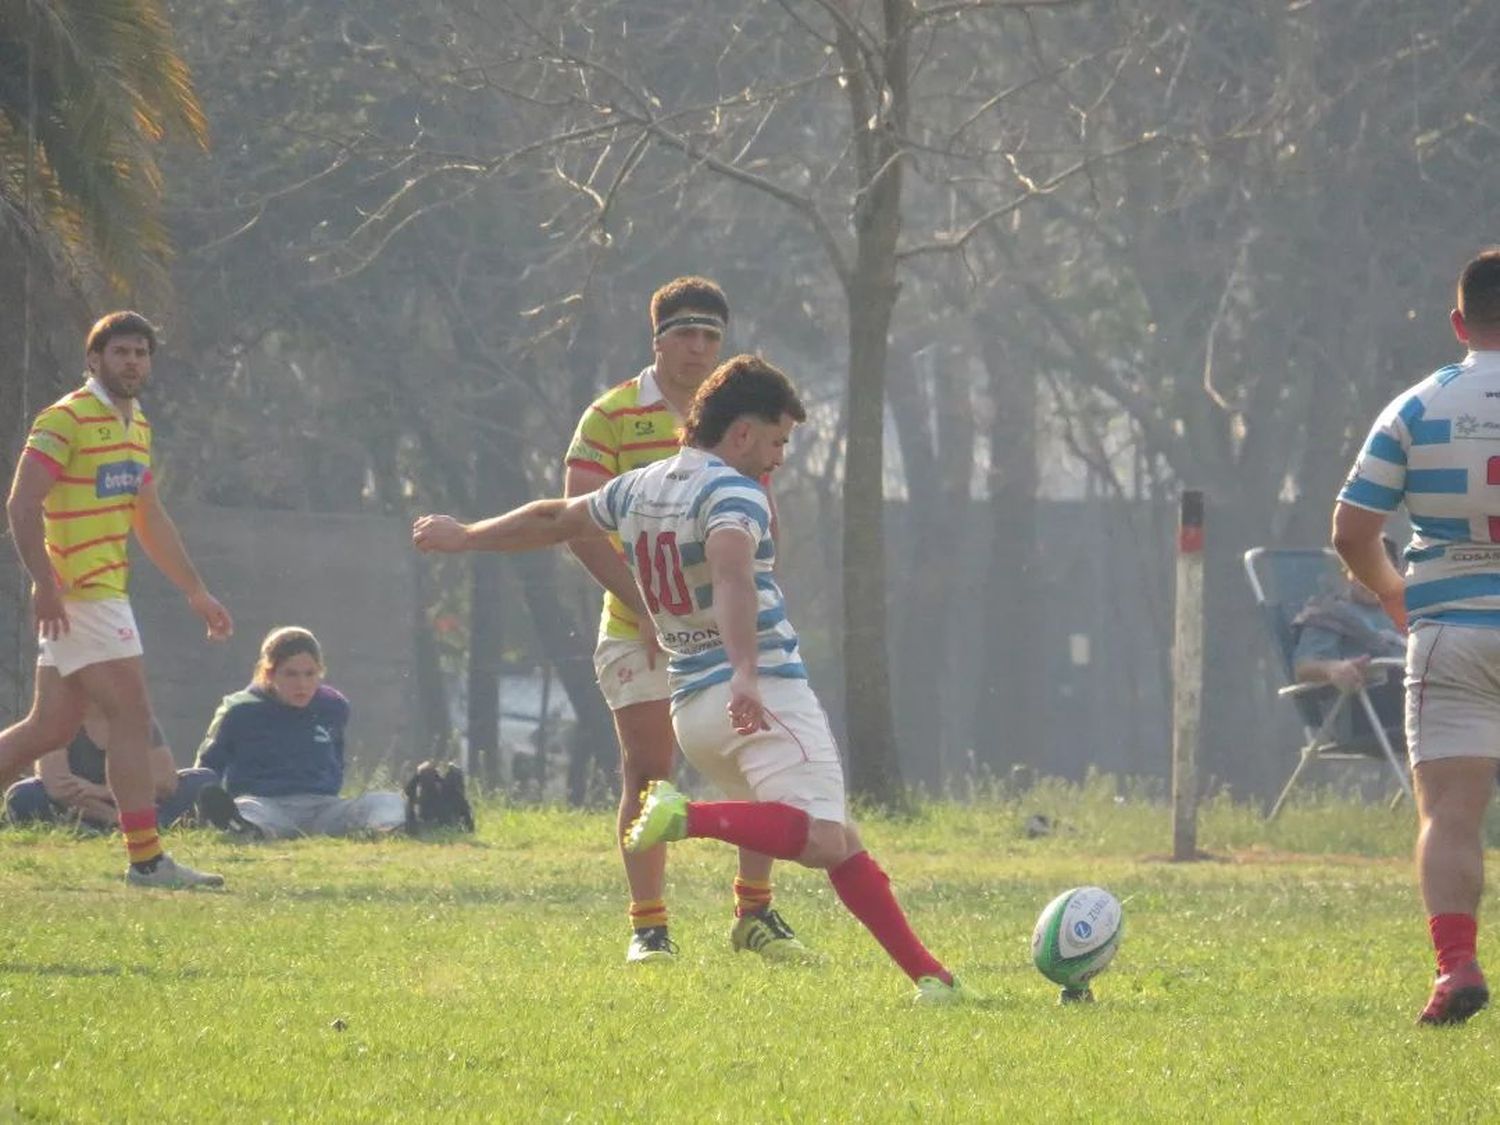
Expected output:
(262, 747)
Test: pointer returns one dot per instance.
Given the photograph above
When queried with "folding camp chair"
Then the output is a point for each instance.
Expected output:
(1283, 579)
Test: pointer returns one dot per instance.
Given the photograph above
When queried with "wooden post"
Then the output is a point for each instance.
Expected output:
(1187, 677)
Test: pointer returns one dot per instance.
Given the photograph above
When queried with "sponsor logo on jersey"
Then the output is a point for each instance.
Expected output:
(1468, 427)
(689, 641)
(119, 478)
(1486, 555)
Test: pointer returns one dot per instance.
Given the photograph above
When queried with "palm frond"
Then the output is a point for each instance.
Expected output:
(108, 88)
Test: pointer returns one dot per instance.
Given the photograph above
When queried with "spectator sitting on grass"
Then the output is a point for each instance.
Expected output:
(278, 747)
(70, 782)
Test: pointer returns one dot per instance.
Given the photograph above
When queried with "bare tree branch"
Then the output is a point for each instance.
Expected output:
(1030, 192)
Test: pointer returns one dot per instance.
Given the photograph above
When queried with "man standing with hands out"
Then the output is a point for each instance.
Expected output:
(82, 485)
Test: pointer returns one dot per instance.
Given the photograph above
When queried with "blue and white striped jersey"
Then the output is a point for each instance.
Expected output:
(664, 514)
(1436, 448)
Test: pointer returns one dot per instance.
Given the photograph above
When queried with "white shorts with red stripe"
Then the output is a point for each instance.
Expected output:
(796, 762)
(97, 631)
(1452, 691)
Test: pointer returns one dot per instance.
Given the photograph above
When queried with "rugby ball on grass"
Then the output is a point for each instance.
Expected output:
(1077, 935)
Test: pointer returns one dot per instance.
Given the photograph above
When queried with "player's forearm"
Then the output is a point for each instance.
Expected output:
(538, 524)
(605, 566)
(736, 607)
(97, 810)
(163, 771)
(65, 790)
(163, 546)
(1315, 671)
(28, 532)
(59, 782)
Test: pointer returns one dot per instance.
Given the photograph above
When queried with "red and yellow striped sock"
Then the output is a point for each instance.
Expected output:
(141, 841)
(652, 912)
(750, 896)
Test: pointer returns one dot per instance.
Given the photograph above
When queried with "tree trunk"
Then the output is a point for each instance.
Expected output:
(568, 648)
(954, 400)
(484, 669)
(879, 102)
(933, 411)
(1010, 721)
(434, 730)
(917, 589)
(874, 770)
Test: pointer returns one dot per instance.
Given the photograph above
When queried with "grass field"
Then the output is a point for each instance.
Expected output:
(481, 979)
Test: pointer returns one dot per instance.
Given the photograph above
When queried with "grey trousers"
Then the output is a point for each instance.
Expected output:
(311, 814)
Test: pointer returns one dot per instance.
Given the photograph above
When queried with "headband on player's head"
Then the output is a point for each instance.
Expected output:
(690, 320)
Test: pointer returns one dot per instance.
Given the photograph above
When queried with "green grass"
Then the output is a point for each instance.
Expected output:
(482, 980)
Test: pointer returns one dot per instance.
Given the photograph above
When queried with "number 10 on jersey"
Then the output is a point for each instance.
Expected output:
(658, 569)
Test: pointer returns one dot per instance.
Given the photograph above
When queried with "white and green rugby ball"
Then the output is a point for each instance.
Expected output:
(1077, 936)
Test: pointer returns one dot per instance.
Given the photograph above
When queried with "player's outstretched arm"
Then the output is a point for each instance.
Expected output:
(160, 540)
(542, 523)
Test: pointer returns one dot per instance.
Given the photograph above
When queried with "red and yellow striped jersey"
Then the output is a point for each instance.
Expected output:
(628, 426)
(99, 463)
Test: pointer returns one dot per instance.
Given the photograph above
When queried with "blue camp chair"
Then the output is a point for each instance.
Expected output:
(1283, 579)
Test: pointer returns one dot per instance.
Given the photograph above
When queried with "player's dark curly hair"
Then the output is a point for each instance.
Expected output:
(743, 385)
(123, 323)
(1479, 291)
(696, 293)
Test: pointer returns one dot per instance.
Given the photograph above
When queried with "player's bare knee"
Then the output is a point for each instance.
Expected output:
(827, 845)
(852, 840)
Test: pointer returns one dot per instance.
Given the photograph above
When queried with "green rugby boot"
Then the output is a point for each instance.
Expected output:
(663, 817)
(934, 992)
(650, 944)
(767, 933)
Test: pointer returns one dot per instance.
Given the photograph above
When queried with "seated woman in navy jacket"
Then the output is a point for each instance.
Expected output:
(278, 747)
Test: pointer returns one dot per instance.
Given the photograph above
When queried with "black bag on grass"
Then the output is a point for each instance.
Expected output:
(435, 798)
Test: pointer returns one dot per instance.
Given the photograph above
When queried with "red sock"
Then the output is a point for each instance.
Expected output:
(139, 829)
(1454, 936)
(768, 827)
(866, 890)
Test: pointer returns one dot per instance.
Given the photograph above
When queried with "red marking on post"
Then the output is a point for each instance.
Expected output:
(1190, 523)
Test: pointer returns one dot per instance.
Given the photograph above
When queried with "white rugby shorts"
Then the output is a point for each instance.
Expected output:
(625, 675)
(1452, 692)
(796, 762)
(98, 631)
